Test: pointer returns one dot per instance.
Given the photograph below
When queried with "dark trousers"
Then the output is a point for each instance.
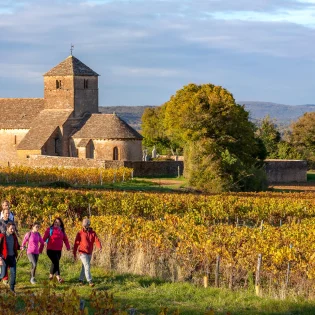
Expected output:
(33, 258)
(54, 256)
(10, 262)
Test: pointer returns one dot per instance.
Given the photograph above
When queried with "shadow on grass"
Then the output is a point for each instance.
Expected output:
(133, 185)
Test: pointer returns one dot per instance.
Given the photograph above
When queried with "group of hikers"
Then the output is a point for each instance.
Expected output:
(54, 238)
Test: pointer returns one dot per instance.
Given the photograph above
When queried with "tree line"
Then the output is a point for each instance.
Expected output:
(223, 149)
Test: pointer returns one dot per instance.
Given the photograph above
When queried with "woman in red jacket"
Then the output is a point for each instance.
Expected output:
(85, 240)
(55, 236)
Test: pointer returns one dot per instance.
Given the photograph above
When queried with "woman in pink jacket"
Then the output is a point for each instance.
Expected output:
(55, 236)
(32, 239)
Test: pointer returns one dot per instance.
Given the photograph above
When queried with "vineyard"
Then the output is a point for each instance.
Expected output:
(72, 176)
(180, 237)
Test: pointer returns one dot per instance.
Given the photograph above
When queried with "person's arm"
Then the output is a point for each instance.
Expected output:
(98, 242)
(46, 236)
(40, 239)
(76, 244)
(26, 238)
(66, 241)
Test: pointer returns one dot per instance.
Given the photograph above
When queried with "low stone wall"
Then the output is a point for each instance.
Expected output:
(54, 161)
(141, 168)
(156, 168)
(286, 171)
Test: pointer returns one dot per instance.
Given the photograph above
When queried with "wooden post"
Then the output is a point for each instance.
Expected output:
(262, 225)
(257, 278)
(217, 272)
(178, 172)
(287, 277)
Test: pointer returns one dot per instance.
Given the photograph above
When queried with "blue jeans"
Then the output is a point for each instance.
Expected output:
(10, 261)
(85, 270)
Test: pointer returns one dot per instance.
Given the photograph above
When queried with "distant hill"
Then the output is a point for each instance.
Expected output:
(283, 114)
(130, 114)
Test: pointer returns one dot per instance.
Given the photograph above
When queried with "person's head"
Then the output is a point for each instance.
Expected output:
(86, 223)
(5, 214)
(35, 227)
(11, 228)
(58, 223)
(5, 204)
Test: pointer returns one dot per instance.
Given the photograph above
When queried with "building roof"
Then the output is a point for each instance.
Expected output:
(106, 126)
(83, 143)
(19, 113)
(71, 66)
(43, 127)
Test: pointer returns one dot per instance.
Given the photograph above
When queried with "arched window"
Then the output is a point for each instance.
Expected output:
(115, 154)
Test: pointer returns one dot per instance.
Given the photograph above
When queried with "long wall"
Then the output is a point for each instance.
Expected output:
(156, 168)
(286, 171)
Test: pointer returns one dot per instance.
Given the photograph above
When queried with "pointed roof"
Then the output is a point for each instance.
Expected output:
(44, 125)
(71, 66)
(106, 126)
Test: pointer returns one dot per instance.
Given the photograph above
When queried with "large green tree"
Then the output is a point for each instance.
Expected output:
(303, 135)
(218, 138)
(267, 131)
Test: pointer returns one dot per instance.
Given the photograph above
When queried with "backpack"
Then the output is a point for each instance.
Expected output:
(50, 233)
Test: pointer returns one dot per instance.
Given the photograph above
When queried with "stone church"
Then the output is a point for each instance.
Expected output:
(66, 122)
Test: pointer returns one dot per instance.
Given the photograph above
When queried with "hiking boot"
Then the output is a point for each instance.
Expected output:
(91, 284)
(5, 282)
(33, 281)
(81, 282)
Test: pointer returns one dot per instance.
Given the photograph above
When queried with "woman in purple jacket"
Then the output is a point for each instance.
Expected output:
(33, 239)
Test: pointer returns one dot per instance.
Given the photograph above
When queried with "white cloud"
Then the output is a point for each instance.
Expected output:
(164, 44)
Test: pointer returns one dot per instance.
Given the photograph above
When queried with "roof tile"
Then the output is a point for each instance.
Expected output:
(106, 126)
(71, 66)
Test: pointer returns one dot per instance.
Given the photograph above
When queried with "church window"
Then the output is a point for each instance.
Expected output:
(115, 154)
(86, 83)
(58, 84)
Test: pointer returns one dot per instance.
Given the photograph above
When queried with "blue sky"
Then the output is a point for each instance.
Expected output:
(145, 50)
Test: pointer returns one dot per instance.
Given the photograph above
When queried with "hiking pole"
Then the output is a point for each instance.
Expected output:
(20, 254)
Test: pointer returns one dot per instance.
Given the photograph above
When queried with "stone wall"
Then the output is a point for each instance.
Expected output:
(54, 161)
(9, 140)
(85, 99)
(61, 98)
(128, 150)
(286, 171)
(158, 168)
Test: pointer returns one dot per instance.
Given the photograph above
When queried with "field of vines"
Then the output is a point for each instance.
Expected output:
(180, 236)
(72, 176)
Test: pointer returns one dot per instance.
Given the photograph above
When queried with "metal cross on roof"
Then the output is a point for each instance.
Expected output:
(71, 49)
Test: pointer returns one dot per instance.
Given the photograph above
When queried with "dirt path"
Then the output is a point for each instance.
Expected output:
(303, 187)
(164, 181)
